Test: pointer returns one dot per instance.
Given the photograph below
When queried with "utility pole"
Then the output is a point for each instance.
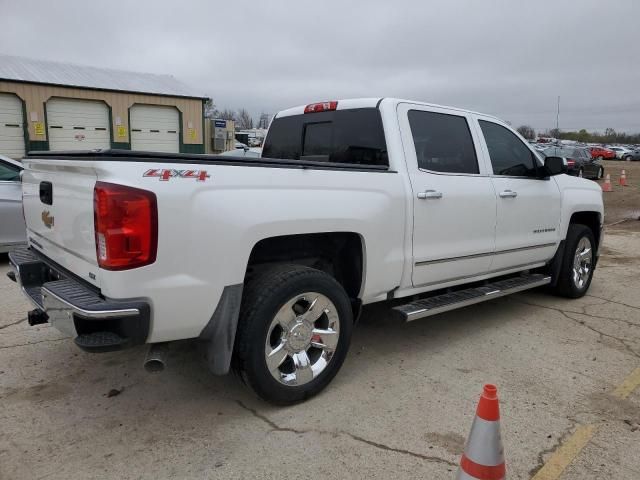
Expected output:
(558, 116)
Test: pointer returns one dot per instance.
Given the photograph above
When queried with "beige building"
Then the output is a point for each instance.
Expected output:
(54, 106)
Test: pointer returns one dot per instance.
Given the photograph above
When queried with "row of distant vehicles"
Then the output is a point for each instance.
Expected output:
(611, 152)
(584, 161)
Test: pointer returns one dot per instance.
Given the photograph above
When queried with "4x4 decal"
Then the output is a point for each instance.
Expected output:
(164, 175)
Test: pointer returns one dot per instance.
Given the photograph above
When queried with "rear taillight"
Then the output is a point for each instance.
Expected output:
(570, 162)
(321, 107)
(126, 226)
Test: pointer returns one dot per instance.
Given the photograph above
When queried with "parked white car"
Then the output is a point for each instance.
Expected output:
(12, 227)
(621, 152)
(268, 261)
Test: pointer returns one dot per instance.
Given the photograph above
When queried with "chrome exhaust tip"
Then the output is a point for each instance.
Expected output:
(156, 359)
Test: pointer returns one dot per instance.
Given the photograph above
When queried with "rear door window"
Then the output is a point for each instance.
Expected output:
(353, 136)
(443, 142)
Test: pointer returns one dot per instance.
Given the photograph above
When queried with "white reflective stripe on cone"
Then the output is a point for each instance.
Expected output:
(484, 445)
(462, 475)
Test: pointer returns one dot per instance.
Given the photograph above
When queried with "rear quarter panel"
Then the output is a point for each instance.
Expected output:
(207, 230)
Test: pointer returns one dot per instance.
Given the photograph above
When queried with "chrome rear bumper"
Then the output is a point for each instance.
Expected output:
(76, 308)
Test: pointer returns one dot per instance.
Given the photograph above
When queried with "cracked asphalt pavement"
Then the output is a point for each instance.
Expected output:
(401, 406)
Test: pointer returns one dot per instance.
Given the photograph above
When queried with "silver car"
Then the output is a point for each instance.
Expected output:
(12, 227)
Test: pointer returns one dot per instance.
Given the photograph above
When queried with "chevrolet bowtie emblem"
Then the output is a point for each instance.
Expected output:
(47, 219)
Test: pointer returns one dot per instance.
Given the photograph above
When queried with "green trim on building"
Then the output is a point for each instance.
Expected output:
(180, 132)
(46, 129)
(38, 146)
(112, 142)
(110, 125)
(25, 123)
(192, 148)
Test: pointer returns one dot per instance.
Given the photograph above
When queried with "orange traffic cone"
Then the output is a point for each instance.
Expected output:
(623, 178)
(483, 457)
(606, 186)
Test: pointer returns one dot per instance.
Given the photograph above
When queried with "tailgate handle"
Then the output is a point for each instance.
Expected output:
(46, 193)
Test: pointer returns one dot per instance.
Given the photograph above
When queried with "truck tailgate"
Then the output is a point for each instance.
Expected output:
(58, 208)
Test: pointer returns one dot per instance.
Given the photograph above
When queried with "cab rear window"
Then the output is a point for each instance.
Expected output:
(352, 136)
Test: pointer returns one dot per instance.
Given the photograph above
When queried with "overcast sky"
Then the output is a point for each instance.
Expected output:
(507, 58)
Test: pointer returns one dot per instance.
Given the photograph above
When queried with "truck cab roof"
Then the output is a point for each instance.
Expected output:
(350, 103)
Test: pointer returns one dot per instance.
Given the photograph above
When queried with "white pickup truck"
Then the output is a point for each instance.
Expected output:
(268, 261)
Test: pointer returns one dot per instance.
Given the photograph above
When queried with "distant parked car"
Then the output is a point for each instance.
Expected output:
(541, 147)
(13, 232)
(621, 152)
(579, 161)
(633, 156)
(602, 153)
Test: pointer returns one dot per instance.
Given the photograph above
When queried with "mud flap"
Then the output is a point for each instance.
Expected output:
(218, 336)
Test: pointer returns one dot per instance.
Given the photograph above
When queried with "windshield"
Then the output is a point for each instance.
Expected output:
(352, 136)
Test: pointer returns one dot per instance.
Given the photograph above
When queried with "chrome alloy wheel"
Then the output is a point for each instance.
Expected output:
(302, 339)
(582, 263)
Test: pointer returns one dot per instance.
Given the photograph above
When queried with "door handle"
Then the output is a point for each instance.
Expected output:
(508, 194)
(427, 194)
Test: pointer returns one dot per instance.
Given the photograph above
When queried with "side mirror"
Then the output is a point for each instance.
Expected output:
(555, 165)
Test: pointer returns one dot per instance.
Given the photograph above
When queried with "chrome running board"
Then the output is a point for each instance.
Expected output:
(462, 298)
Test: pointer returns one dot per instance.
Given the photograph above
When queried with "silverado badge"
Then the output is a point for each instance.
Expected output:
(47, 219)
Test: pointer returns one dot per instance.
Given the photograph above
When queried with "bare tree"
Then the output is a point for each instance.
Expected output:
(264, 120)
(210, 109)
(610, 135)
(227, 114)
(555, 133)
(527, 132)
(244, 120)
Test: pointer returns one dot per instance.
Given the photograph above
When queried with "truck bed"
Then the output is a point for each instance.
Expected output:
(117, 155)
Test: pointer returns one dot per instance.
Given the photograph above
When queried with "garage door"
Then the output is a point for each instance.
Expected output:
(11, 126)
(155, 129)
(77, 124)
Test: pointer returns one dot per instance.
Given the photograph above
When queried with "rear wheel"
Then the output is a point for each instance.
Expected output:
(578, 262)
(294, 333)
(581, 173)
(600, 173)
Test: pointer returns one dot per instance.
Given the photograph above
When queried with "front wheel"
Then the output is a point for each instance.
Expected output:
(293, 333)
(578, 262)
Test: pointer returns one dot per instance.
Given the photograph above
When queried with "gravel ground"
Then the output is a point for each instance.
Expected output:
(401, 407)
(622, 206)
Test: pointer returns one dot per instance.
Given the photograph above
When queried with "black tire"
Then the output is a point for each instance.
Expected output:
(263, 297)
(581, 173)
(566, 286)
(600, 173)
